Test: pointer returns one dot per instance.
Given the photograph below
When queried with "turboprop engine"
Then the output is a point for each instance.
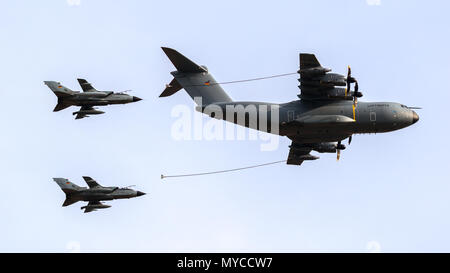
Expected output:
(329, 147)
(307, 157)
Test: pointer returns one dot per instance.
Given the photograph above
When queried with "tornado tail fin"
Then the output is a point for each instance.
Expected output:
(59, 90)
(62, 93)
(69, 189)
(67, 186)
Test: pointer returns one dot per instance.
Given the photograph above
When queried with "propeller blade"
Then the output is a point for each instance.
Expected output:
(338, 151)
(349, 140)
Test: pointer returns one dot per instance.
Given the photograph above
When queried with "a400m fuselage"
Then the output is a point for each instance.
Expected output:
(312, 122)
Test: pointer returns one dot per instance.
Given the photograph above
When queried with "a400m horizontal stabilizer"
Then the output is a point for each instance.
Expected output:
(171, 88)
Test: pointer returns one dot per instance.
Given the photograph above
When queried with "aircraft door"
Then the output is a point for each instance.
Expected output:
(290, 116)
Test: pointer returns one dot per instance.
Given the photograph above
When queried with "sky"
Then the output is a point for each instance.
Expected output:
(388, 193)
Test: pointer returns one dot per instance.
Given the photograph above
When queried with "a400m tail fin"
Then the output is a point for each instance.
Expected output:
(195, 79)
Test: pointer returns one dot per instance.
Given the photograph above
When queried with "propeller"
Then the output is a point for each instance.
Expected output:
(355, 93)
(349, 80)
(125, 91)
(339, 147)
(355, 96)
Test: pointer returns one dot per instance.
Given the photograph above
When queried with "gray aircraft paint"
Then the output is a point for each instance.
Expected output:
(93, 194)
(87, 99)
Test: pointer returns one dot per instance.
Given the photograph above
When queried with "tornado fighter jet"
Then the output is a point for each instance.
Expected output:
(94, 194)
(326, 113)
(87, 99)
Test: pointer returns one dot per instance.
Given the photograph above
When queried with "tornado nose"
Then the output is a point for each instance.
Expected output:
(415, 117)
(139, 193)
(136, 99)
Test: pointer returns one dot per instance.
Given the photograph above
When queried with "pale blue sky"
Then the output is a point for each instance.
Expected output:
(389, 188)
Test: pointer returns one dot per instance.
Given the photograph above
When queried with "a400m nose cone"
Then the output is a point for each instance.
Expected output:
(136, 99)
(415, 117)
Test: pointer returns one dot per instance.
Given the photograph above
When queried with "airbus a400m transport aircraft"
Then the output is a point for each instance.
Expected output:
(326, 112)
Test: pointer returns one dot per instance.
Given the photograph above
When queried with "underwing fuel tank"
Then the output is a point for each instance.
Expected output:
(307, 157)
(89, 112)
(99, 206)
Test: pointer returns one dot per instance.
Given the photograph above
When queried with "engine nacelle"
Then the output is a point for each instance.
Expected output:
(328, 147)
(333, 79)
(325, 148)
(314, 71)
(307, 157)
(329, 80)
